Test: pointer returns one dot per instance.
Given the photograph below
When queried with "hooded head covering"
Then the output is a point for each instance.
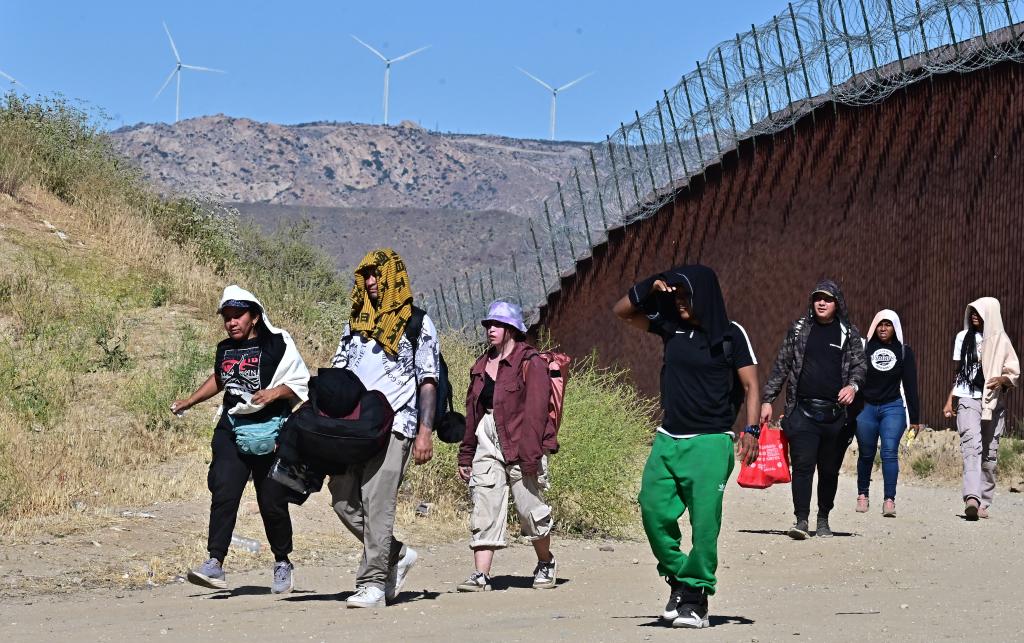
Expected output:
(706, 300)
(998, 358)
(832, 288)
(291, 370)
(892, 317)
(384, 321)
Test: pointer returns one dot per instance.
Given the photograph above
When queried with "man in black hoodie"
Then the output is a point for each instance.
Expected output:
(822, 362)
(708, 372)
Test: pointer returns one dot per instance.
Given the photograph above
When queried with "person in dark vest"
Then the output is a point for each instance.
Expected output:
(708, 371)
(822, 364)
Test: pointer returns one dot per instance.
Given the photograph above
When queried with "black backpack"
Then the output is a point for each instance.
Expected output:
(449, 425)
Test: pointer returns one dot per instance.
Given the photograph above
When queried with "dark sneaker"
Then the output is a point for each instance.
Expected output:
(209, 574)
(675, 599)
(545, 574)
(693, 610)
(477, 582)
(283, 580)
(823, 530)
(971, 509)
(799, 531)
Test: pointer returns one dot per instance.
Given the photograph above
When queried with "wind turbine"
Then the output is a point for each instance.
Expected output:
(178, 66)
(554, 93)
(387, 68)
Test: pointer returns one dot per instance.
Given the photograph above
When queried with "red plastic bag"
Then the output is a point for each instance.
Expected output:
(772, 464)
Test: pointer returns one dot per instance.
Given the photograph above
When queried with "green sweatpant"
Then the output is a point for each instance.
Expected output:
(683, 474)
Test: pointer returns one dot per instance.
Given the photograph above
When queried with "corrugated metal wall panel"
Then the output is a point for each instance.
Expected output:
(915, 204)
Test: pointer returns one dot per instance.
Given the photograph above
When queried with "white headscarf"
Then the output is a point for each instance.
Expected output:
(291, 371)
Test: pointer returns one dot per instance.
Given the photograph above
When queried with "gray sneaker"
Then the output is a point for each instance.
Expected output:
(477, 582)
(823, 530)
(209, 574)
(284, 582)
(799, 530)
(545, 574)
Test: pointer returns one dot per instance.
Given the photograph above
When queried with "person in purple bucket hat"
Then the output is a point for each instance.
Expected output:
(506, 446)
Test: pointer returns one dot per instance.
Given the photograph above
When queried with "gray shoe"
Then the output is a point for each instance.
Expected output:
(799, 530)
(209, 574)
(398, 573)
(477, 582)
(545, 575)
(823, 530)
(284, 581)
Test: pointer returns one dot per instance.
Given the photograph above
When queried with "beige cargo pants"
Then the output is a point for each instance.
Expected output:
(489, 485)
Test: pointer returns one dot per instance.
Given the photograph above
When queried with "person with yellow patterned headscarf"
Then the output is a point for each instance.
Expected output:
(375, 346)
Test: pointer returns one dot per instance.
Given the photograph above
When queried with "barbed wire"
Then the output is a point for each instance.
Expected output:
(760, 82)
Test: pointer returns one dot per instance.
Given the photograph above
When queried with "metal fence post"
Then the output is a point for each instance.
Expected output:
(896, 36)
(664, 143)
(629, 162)
(728, 98)
(554, 250)
(583, 208)
(675, 134)
(782, 59)
(828, 60)
(540, 263)
(871, 41)
(615, 173)
(707, 106)
(458, 306)
(447, 313)
(849, 50)
(647, 156)
(693, 124)
(600, 197)
(568, 228)
(764, 78)
(800, 52)
(515, 274)
(952, 32)
(490, 273)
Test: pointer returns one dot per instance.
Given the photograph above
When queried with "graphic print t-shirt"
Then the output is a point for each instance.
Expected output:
(961, 390)
(244, 367)
(885, 371)
(697, 380)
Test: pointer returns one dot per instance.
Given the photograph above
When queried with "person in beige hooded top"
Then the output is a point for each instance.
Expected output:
(987, 366)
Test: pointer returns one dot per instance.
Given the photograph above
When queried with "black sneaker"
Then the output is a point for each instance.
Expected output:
(693, 610)
(823, 530)
(675, 599)
(799, 530)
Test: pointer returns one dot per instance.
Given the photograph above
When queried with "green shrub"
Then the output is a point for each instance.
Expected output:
(150, 395)
(923, 465)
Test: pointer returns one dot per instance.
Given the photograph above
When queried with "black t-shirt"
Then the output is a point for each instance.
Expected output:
(487, 393)
(697, 380)
(244, 367)
(821, 375)
(889, 366)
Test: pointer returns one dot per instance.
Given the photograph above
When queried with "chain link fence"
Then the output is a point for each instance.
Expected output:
(851, 52)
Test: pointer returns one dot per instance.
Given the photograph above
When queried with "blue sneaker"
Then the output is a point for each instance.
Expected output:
(209, 574)
(283, 581)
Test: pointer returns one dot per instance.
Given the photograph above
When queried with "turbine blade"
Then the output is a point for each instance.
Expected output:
(379, 55)
(195, 68)
(173, 48)
(549, 87)
(568, 85)
(410, 54)
(166, 83)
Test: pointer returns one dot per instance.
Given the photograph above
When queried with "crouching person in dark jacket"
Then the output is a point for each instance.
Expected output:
(822, 363)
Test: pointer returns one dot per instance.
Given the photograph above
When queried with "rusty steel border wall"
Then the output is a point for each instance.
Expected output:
(915, 203)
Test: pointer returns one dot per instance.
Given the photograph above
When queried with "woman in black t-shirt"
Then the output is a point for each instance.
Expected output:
(262, 376)
(890, 405)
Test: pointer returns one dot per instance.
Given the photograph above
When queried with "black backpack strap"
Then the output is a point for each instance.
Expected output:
(413, 327)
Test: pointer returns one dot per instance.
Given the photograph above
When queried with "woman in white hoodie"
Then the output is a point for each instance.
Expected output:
(986, 367)
(263, 378)
(890, 406)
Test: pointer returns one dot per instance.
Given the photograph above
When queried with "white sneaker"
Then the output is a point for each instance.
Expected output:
(545, 575)
(367, 597)
(398, 573)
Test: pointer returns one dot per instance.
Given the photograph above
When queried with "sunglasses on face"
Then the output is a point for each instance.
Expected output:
(829, 299)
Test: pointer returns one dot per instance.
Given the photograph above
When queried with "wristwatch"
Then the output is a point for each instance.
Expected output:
(753, 430)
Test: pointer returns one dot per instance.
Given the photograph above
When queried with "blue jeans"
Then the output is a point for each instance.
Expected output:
(886, 421)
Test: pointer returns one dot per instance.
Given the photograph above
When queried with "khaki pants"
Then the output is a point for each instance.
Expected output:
(364, 497)
(490, 483)
(979, 445)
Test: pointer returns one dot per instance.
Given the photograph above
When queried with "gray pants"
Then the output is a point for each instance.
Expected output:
(979, 444)
(364, 497)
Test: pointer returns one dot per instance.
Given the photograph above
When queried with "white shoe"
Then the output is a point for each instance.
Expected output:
(398, 573)
(367, 597)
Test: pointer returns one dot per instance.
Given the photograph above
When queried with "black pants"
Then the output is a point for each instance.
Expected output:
(229, 471)
(815, 444)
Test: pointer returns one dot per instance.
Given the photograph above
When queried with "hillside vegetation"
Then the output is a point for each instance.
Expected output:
(107, 299)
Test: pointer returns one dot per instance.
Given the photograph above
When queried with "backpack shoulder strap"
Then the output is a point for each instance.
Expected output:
(413, 328)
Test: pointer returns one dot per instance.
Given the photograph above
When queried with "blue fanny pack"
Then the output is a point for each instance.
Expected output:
(256, 437)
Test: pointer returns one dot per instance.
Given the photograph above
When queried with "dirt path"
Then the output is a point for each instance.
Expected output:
(927, 575)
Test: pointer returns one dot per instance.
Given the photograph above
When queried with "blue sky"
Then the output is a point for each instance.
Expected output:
(295, 62)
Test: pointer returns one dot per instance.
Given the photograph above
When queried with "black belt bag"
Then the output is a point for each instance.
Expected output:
(822, 411)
